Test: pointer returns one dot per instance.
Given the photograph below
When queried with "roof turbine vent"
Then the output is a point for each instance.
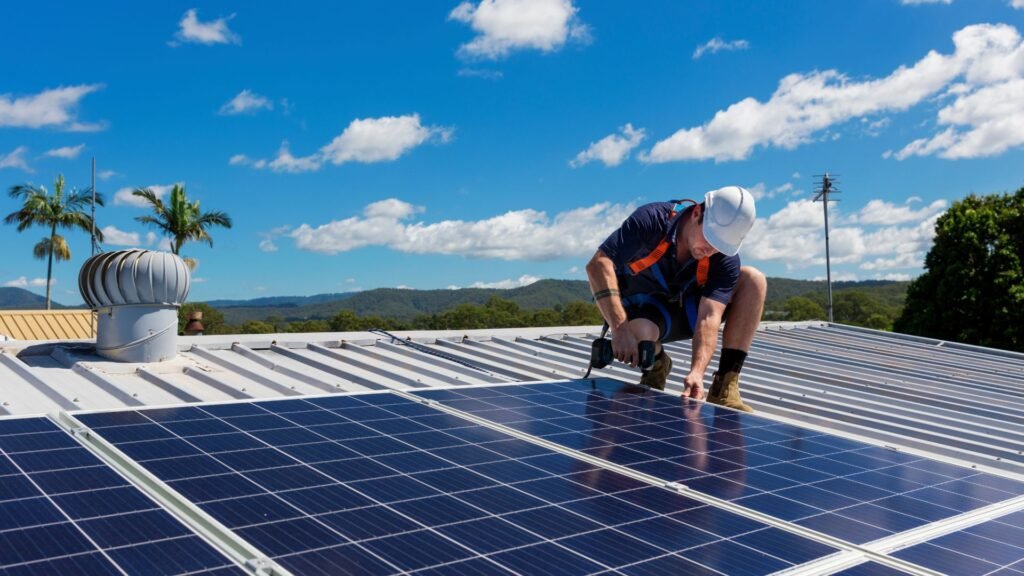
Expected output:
(136, 294)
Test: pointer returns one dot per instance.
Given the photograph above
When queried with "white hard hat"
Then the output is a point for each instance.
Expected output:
(728, 215)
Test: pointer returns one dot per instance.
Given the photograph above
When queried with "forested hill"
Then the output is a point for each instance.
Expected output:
(21, 299)
(404, 304)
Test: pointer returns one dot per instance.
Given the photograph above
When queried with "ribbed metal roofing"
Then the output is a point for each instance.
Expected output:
(951, 401)
(47, 324)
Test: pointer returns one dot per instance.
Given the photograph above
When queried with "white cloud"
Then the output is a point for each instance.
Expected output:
(795, 236)
(115, 237)
(761, 192)
(124, 197)
(481, 73)
(56, 108)
(68, 152)
(573, 270)
(267, 244)
(897, 276)
(987, 57)
(503, 26)
(198, 280)
(15, 159)
(524, 280)
(838, 277)
(716, 45)
(23, 282)
(246, 102)
(611, 150)
(191, 29)
(381, 139)
(887, 213)
(106, 174)
(164, 245)
(516, 235)
(1018, 4)
(285, 162)
(366, 140)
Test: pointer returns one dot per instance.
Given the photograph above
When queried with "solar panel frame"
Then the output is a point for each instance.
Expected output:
(456, 445)
(62, 510)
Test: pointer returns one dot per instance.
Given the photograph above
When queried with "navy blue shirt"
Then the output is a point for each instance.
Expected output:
(639, 234)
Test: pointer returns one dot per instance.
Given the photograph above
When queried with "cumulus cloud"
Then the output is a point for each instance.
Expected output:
(761, 192)
(887, 213)
(366, 140)
(24, 282)
(246, 102)
(191, 29)
(124, 197)
(524, 280)
(68, 152)
(15, 159)
(611, 150)
(115, 237)
(55, 108)
(106, 174)
(515, 235)
(986, 117)
(795, 236)
(503, 26)
(1018, 4)
(267, 243)
(716, 45)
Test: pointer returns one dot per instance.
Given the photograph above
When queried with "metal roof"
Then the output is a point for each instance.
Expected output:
(47, 324)
(946, 400)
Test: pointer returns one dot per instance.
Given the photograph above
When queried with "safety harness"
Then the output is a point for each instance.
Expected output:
(650, 262)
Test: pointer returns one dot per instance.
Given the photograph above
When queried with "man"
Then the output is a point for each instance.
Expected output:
(671, 272)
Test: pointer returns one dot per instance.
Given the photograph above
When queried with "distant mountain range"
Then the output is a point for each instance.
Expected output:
(403, 304)
(21, 299)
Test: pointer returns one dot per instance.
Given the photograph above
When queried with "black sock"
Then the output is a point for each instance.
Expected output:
(731, 360)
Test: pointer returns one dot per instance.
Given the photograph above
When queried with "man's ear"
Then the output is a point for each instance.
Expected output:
(696, 212)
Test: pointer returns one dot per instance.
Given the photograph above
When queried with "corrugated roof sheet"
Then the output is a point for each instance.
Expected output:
(946, 400)
(47, 324)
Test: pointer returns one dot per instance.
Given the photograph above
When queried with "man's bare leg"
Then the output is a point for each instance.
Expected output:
(745, 309)
(744, 317)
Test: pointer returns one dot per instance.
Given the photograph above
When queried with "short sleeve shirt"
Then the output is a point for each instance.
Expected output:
(641, 233)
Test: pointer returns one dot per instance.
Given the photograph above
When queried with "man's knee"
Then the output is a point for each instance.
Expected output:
(644, 329)
(752, 282)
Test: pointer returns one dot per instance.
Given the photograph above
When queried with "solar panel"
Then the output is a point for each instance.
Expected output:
(836, 486)
(993, 547)
(376, 483)
(62, 511)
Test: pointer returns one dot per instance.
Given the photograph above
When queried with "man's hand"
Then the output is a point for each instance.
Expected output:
(693, 386)
(624, 345)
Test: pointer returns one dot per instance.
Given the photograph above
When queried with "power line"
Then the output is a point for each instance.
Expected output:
(826, 187)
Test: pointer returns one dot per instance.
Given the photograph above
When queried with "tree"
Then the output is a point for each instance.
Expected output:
(799, 308)
(53, 211)
(180, 220)
(972, 289)
(213, 319)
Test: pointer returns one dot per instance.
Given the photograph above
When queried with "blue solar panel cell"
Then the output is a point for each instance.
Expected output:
(870, 569)
(63, 512)
(782, 470)
(386, 482)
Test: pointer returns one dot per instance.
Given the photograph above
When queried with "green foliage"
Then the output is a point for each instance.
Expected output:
(800, 308)
(256, 327)
(52, 211)
(180, 220)
(213, 320)
(973, 288)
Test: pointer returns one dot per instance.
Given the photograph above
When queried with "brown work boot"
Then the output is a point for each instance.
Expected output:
(658, 373)
(725, 391)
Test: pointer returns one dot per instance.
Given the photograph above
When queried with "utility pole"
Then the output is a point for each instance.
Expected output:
(826, 187)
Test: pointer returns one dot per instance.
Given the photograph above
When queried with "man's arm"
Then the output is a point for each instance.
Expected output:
(705, 340)
(605, 287)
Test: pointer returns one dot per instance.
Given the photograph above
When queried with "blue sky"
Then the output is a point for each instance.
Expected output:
(436, 144)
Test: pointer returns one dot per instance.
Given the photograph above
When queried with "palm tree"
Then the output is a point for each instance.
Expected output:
(180, 220)
(40, 208)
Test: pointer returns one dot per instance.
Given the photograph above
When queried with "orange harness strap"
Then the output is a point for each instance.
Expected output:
(641, 264)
